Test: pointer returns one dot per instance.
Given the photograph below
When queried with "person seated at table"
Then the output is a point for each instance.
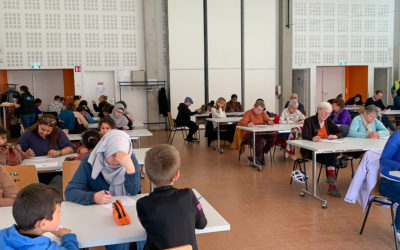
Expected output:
(367, 126)
(37, 210)
(77, 100)
(294, 96)
(84, 105)
(37, 102)
(396, 101)
(183, 118)
(340, 116)
(85, 114)
(110, 170)
(121, 121)
(377, 101)
(316, 128)
(169, 215)
(389, 184)
(56, 105)
(8, 190)
(90, 138)
(339, 96)
(291, 114)
(10, 154)
(72, 120)
(233, 105)
(206, 108)
(44, 138)
(107, 109)
(105, 125)
(99, 108)
(126, 113)
(219, 112)
(264, 142)
(355, 101)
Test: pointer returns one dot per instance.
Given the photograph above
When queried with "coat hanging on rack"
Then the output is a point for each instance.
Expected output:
(163, 106)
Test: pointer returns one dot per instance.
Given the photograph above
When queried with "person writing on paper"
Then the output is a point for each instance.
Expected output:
(291, 114)
(264, 142)
(37, 210)
(389, 184)
(355, 101)
(316, 128)
(219, 112)
(121, 121)
(367, 126)
(340, 116)
(169, 215)
(45, 138)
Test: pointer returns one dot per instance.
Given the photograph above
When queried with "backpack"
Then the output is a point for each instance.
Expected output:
(11, 155)
(9, 96)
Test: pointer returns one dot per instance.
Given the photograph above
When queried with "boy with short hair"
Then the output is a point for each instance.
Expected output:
(169, 215)
(36, 210)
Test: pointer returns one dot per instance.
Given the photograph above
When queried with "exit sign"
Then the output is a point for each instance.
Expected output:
(35, 66)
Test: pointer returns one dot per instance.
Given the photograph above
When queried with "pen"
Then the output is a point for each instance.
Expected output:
(200, 197)
(105, 192)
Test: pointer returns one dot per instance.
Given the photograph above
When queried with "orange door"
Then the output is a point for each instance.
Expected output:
(69, 85)
(356, 81)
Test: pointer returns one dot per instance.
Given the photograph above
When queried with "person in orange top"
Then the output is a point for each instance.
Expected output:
(264, 142)
(316, 128)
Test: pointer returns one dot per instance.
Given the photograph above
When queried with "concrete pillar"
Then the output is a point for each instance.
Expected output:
(285, 51)
(152, 59)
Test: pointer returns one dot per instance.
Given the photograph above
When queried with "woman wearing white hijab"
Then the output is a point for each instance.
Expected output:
(118, 115)
(111, 169)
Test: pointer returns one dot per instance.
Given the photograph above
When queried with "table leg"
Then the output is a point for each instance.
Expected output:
(139, 142)
(219, 139)
(314, 179)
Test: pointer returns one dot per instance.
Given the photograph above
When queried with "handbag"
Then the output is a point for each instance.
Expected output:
(120, 215)
(11, 155)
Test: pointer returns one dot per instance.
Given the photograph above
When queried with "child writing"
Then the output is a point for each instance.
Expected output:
(169, 215)
(11, 154)
(36, 210)
(90, 138)
(105, 125)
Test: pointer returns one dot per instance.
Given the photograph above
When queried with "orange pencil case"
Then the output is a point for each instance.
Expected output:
(120, 215)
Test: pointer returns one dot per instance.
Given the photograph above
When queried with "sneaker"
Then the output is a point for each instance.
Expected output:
(331, 179)
(195, 139)
(398, 235)
(250, 158)
(334, 192)
(260, 162)
(189, 140)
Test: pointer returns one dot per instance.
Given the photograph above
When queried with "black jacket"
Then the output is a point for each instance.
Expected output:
(311, 127)
(163, 105)
(184, 114)
(170, 217)
(378, 103)
(99, 108)
(352, 101)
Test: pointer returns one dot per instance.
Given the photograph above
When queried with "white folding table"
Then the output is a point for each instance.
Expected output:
(134, 134)
(46, 164)
(222, 120)
(134, 124)
(238, 113)
(349, 145)
(283, 128)
(94, 225)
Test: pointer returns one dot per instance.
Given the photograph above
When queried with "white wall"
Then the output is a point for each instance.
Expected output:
(186, 51)
(260, 52)
(43, 84)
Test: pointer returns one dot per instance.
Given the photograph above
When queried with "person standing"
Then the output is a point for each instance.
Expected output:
(26, 106)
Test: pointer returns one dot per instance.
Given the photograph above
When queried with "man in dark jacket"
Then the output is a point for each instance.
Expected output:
(183, 119)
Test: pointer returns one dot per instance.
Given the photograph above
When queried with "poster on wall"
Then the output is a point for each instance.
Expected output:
(100, 89)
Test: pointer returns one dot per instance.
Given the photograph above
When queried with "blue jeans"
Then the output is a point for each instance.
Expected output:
(387, 123)
(391, 189)
(28, 120)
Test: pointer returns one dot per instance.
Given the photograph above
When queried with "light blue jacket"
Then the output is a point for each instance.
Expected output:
(358, 130)
(10, 238)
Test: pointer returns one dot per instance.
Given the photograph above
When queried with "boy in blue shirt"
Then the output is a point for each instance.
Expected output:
(169, 215)
(36, 210)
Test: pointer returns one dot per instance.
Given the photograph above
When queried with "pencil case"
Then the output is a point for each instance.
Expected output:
(120, 215)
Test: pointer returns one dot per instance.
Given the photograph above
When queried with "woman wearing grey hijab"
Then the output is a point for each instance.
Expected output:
(118, 115)
(111, 169)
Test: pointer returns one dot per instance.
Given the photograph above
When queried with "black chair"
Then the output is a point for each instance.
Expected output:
(212, 134)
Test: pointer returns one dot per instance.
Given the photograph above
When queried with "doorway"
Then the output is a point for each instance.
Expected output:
(330, 83)
(383, 81)
(301, 81)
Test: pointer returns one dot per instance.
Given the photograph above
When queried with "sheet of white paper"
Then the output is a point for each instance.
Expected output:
(47, 164)
(40, 159)
(53, 237)
(333, 141)
(125, 200)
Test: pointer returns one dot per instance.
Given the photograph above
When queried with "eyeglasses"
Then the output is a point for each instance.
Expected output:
(48, 120)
